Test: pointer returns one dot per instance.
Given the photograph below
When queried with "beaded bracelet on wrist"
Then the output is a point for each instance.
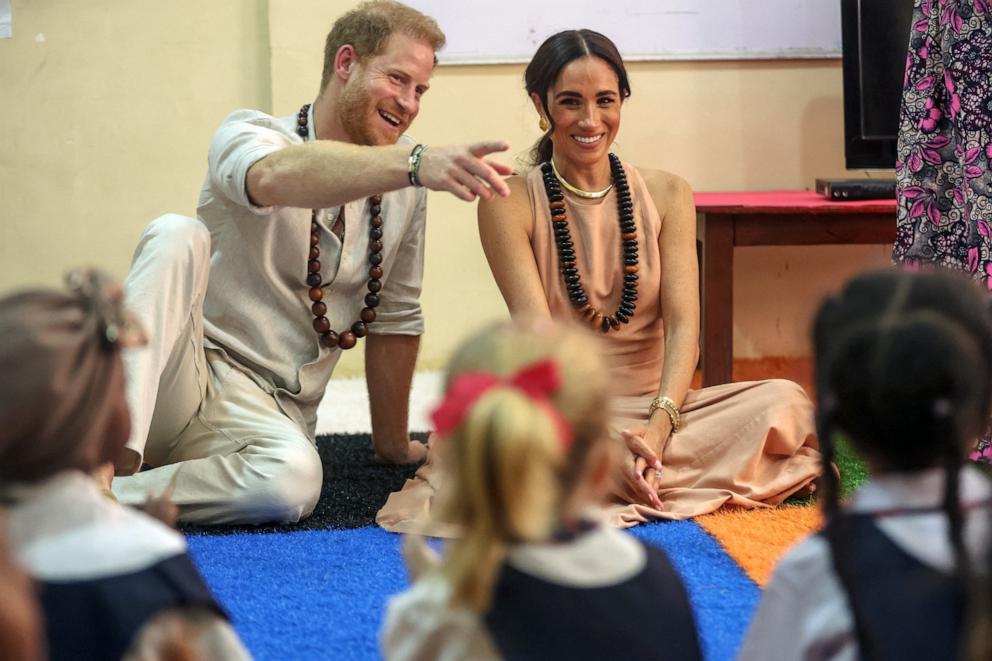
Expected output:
(566, 250)
(413, 168)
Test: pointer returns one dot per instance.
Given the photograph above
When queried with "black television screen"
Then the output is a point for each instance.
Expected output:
(875, 36)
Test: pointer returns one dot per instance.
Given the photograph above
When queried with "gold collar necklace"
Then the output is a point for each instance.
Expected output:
(589, 195)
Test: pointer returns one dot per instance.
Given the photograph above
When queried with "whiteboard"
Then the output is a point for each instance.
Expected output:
(511, 30)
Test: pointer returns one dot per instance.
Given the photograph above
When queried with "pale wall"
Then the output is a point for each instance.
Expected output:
(106, 110)
(117, 105)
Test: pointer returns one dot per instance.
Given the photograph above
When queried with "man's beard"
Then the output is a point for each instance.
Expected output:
(355, 114)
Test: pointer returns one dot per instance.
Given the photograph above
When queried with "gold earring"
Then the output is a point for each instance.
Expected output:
(543, 124)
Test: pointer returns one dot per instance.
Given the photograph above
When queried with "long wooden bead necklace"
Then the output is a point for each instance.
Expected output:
(321, 324)
(566, 250)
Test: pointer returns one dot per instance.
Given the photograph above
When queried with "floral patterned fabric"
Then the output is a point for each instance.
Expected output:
(944, 165)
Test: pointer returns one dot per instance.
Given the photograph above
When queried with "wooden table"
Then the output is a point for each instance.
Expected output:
(767, 218)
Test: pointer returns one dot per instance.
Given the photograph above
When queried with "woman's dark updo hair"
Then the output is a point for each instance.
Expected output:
(553, 55)
(904, 372)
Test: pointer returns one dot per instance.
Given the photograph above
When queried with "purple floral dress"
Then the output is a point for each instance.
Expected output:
(944, 164)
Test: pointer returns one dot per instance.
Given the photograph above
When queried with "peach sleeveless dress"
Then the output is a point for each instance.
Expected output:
(749, 444)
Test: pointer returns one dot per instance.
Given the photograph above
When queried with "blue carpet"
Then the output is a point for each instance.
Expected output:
(723, 597)
(304, 595)
(319, 594)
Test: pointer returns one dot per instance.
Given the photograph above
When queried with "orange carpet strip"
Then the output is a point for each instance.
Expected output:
(756, 539)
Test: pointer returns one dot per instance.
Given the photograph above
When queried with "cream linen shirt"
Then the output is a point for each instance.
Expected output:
(257, 311)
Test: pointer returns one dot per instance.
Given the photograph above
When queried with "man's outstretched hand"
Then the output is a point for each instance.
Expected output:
(464, 171)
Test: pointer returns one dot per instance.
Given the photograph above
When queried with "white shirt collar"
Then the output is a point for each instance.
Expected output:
(600, 557)
(64, 528)
(917, 489)
(925, 535)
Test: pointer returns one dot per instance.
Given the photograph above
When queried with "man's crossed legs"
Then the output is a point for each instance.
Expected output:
(213, 437)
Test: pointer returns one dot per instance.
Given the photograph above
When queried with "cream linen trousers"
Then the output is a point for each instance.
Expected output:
(212, 436)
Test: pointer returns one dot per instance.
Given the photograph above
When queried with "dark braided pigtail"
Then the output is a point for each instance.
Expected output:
(979, 645)
(951, 503)
(951, 461)
(837, 525)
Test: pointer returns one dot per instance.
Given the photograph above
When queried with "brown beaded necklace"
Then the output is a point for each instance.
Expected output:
(346, 339)
(566, 250)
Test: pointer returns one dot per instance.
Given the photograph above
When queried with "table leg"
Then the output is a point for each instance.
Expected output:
(717, 268)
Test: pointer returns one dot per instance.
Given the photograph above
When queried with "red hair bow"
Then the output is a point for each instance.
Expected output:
(537, 381)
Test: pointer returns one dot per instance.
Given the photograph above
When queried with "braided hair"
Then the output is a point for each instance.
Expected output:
(904, 371)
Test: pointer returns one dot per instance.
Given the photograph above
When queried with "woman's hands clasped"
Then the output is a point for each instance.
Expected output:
(642, 464)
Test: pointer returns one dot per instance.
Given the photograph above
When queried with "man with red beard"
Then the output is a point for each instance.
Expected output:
(310, 235)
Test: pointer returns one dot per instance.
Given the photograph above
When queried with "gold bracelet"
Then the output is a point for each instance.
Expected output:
(669, 407)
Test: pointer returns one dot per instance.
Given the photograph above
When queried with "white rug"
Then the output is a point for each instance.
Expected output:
(345, 408)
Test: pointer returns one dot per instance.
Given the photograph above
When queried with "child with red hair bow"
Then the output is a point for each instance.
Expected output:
(533, 573)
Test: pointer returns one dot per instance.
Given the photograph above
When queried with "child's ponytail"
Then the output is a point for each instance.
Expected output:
(509, 454)
(521, 412)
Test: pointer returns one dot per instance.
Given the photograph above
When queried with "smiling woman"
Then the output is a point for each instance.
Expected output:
(586, 237)
(580, 104)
